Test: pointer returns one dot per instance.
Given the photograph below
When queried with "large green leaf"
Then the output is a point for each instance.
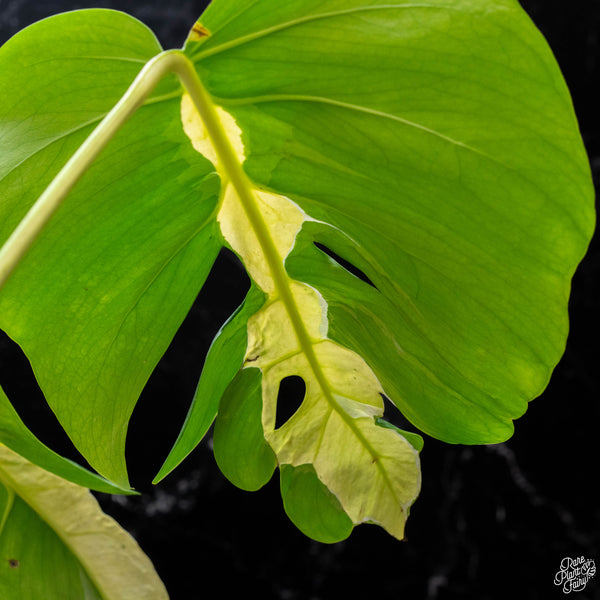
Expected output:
(440, 138)
(56, 544)
(432, 145)
(97, 300)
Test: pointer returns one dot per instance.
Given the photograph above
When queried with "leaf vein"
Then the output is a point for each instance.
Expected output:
(308, 19)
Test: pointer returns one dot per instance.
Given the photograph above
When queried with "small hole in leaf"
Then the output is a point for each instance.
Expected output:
(354, 270)
(289, 398)
(13, 563)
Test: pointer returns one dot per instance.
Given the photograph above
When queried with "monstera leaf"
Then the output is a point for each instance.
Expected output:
(430, 148)
(56, 543)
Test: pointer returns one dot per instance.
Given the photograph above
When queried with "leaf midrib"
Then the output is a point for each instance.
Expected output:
(237, 177)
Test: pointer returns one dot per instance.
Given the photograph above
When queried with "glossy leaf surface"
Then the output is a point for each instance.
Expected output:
(431, 145)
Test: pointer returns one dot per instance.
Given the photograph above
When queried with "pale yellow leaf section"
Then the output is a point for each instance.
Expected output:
(374, 472)
(111, 558)
(236, 229)
(195, 130)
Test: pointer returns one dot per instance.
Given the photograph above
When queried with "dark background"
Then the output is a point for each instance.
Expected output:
(491, 521)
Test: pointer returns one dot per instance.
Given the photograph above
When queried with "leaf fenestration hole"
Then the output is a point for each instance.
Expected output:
(292, 390)
(351, 268)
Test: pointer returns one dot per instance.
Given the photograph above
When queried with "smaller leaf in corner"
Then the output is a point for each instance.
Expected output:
(56, 543)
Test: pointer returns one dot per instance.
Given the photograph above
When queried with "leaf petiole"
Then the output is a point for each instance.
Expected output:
(25, 234)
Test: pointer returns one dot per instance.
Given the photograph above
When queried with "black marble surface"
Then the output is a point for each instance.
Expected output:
(492, 521)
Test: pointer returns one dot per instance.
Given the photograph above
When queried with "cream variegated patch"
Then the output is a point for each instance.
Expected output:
(106, 553)
(195, 130)
(373, 471)
(285, 219)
